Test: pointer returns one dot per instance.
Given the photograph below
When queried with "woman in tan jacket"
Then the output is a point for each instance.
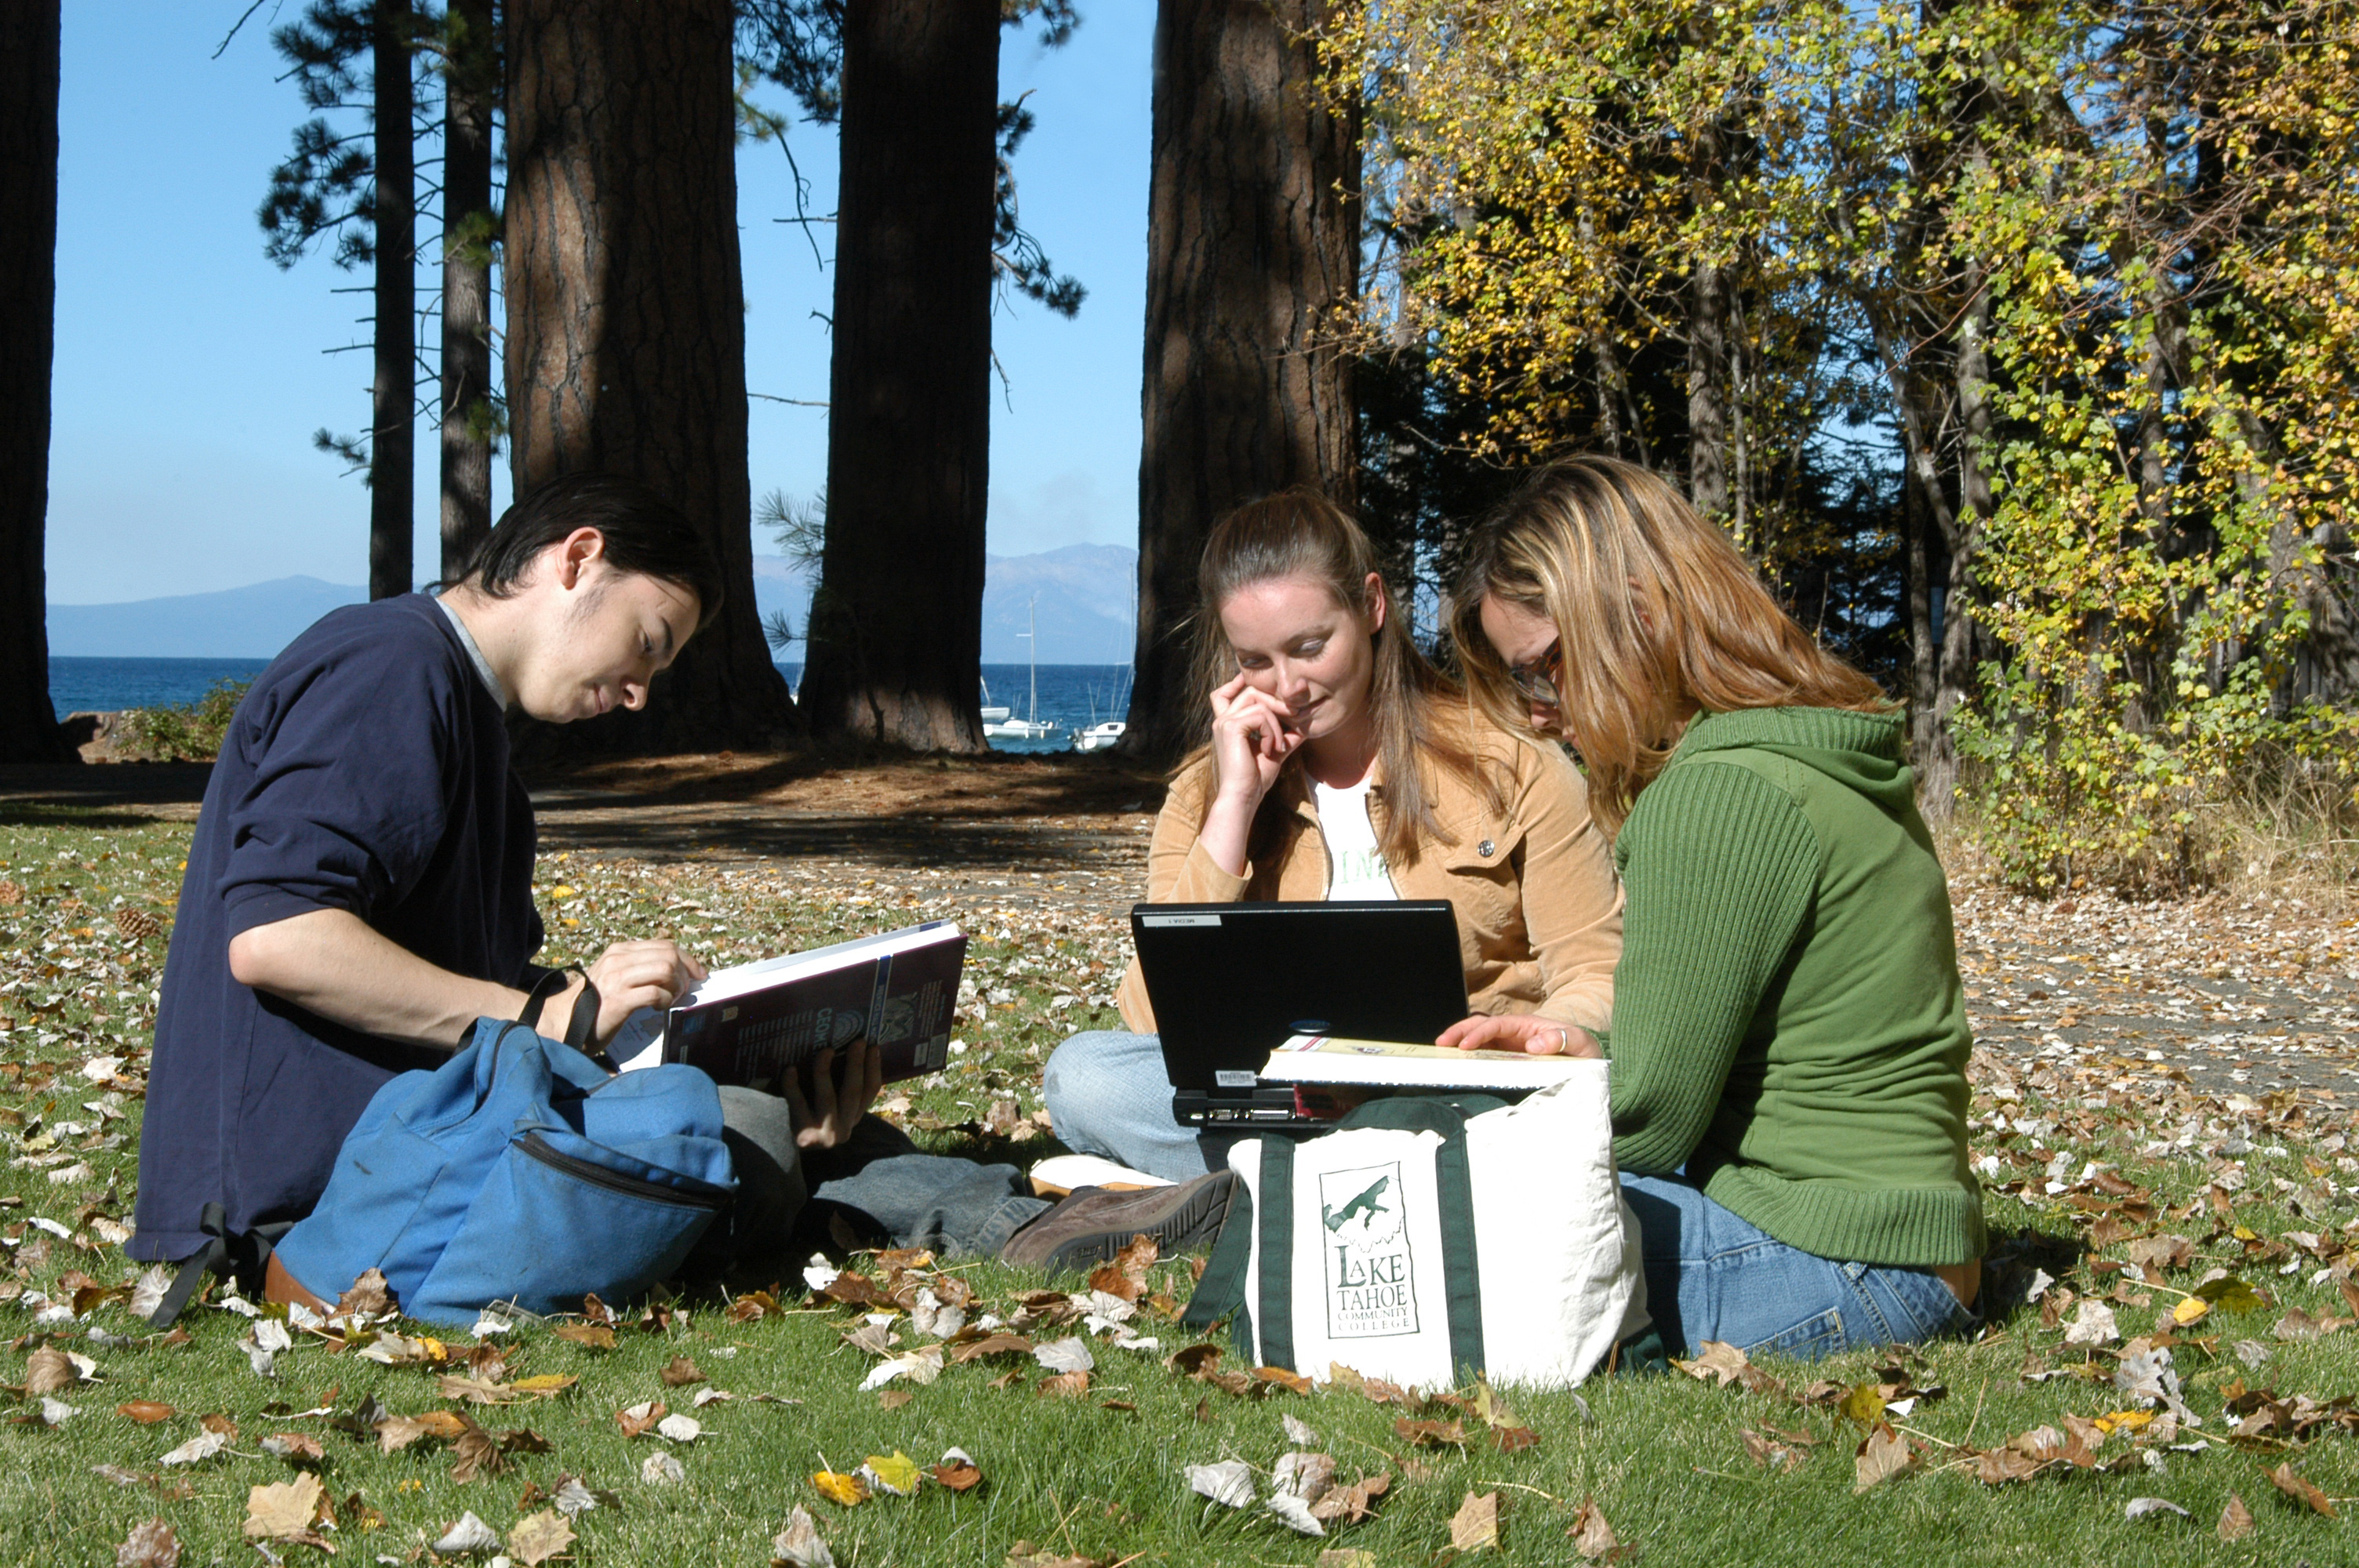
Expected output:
(1341, 764)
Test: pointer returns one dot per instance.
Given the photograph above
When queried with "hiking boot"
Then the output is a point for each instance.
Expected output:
(1095, 1223)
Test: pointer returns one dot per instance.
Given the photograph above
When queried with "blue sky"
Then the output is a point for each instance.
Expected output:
(190, 370)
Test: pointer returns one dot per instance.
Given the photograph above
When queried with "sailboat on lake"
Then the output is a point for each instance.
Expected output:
(1034, 728)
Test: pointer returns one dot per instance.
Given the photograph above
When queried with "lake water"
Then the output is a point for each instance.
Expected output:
(1071, 696)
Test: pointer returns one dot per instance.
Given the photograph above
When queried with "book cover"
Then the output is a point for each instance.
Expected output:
(757, 1022)
(1325, 1059)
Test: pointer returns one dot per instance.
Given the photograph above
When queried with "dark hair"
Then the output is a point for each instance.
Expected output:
(1301, 533)
(644, 534)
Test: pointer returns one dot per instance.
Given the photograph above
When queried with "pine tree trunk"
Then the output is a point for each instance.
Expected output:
(1707, 395)
(28, 293)
(393, 423)
(896, 628)
(468, 234)
(1253, 240)
(625, 348)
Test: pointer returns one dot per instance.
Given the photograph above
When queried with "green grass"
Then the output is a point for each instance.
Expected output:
(1662, 1454)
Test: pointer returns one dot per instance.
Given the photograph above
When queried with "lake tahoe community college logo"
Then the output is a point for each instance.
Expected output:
(1371, 1291)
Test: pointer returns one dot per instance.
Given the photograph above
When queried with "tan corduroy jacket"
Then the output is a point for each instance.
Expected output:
(1540, 909)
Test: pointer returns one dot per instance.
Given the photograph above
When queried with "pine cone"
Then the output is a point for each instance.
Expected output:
(136, 925)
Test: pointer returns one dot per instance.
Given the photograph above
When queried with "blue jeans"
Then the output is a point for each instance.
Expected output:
(1108, 1094)
(1711, 1275)
(956, 1207)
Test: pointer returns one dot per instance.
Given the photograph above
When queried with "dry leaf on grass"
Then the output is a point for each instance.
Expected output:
(46, 1372)
(284, 1511)
(1883, 1453)
(369, 1296)
(539, 1537)
(297, 1448)
(589, 1335)
(798, 1545)
(1065, 1386)
(1229, 1483)
(845, 1488)
(1071, 1355)
(2301, 1491)
(1475, 1526)
(147, 1412)
(1431, 1433)
(1346, 1557)
(957, 1471)
(662, 1470)
(1592, 1537)
(1350, 1505)
(679, 1372)
(470, 1535)
(203, 1446)
(1294, 1513)
(641, 1417)
(1024, 1554)
(150, 1544)
(679, 1428)
(2152, 1508)
(2235, 1519)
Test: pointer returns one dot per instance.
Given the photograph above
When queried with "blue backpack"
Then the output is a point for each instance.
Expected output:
(519, 1170)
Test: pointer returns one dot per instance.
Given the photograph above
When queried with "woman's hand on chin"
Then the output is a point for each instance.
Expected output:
(1520, 1032)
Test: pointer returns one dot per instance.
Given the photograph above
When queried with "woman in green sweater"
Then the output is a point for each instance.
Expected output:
(1789, 1039)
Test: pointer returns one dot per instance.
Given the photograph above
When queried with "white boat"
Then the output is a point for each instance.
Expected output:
(1034, 727)
(1098, 736)
(991, 712)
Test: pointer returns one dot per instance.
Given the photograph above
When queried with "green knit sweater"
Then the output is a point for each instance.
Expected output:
(1788, 1023)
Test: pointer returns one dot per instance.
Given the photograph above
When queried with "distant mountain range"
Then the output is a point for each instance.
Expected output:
(1086, 596)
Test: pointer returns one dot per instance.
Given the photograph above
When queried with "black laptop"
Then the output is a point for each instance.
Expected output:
(1231, 982)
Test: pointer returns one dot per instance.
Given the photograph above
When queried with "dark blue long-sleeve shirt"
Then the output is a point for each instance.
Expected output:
(366, 770)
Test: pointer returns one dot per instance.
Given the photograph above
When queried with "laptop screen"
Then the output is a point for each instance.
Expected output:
(1230, 982)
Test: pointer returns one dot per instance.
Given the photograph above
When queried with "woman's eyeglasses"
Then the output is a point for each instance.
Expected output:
(1537, 680)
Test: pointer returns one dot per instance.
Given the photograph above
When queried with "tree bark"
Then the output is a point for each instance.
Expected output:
(896, 628)
(28, 292)
(1707, 397)
(1253, 240)
(625, 349)
(393, 421)
(469, 230)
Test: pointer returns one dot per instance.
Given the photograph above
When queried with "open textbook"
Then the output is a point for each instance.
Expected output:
(1324, 1059)
(753, 1023)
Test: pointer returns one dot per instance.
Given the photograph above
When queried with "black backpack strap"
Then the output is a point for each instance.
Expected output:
(581, 1023)
(239, 1255)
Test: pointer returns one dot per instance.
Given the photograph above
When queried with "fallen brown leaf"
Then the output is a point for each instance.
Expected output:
(894, 1399)
(46, 1370)
(1883, 1453)
(1475, 1526)
(539, 1537)
(370, 1294)
(958, 1475)
(679, 1372)
(1024, 1554)
(2301, 1491)
(1720, 1361)
(1431, 1433)
(150, 1544)
(2235, 1519)
(589, 1335)
(147, 1412)
(640, 1417)
(1065, 1386)
(1592, 1537)
(1349, 1505)
(284, 1511)
(1279, 1377)
(993, 1345)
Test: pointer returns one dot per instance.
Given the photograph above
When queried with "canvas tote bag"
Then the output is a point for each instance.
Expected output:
(1432, 1240)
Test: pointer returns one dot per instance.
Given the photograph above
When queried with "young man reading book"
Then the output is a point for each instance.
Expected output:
(359, 892)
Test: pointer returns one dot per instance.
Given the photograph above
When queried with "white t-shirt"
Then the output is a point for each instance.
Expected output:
(1355, 866)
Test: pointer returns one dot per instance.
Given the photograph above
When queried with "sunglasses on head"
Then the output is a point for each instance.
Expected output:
(1537, 680)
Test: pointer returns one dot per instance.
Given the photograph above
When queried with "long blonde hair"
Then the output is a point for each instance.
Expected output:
(1300, 534)
(1657, 615)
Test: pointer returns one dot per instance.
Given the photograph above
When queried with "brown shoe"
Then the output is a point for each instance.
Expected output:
(1095, 1223)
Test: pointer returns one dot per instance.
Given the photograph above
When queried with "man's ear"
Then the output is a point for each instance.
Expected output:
(575, 551)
